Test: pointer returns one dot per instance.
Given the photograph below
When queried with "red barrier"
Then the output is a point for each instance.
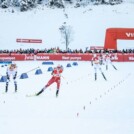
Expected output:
(63, 57)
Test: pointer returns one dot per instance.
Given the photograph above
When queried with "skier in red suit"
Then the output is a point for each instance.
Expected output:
(56, 77)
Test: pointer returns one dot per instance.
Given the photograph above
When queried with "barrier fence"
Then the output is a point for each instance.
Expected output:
(118, 57)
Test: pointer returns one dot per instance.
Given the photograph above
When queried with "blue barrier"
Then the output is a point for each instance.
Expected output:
(3, 79)
(75, 63)
(4, 65)
(5, 62)
(68, 65)
(24, 76)
(47, 63)
(38, 71)
(50, 69)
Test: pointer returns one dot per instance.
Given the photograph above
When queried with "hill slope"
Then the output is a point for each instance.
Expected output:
(89, 25)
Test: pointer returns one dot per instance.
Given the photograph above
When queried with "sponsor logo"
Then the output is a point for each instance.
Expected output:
(70, 58)
(130, 34)
(29, 57)
(115, 57)
(131, 58)
(42, 57)
(7, 58)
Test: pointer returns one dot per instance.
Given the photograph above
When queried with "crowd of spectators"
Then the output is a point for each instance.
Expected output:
(58, 50)
(36, 51)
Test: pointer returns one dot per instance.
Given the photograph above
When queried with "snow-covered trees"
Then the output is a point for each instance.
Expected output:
(5, 3)
(57, 3)
(28, 4)
(112, 2)
(66, 34)
(23, 5)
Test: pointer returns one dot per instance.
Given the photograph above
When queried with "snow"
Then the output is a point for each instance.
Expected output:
(84, 106)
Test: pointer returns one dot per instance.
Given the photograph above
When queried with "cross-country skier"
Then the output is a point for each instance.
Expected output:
(96, 64)
(11, 71)
(108, 60)
(102, 58)
(56, 77)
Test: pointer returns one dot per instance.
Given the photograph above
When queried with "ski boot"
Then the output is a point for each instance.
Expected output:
(42, 90)
(106, 67)
(15, 87)
(6, 87)
(57, 92)
(95, 76)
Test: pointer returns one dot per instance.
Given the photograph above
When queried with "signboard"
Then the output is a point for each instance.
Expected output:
(119, 57)
(28, 40)
(96, 48)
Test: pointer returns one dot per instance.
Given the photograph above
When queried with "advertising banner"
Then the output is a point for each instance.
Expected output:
(118, 57)
(28, 40)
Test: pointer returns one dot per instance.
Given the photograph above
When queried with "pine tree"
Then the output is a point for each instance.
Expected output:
(23, 5)
(5, 3)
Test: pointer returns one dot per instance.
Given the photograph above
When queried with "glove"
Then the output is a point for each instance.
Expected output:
(52, 73)
(8, 77)
(14, 77)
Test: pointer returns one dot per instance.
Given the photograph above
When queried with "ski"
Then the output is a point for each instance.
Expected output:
(31, 95)
(9, 93)
(36, 94)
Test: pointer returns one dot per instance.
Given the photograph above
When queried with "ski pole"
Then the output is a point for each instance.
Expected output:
(62, 77)
(114, 67)
(28, 71)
